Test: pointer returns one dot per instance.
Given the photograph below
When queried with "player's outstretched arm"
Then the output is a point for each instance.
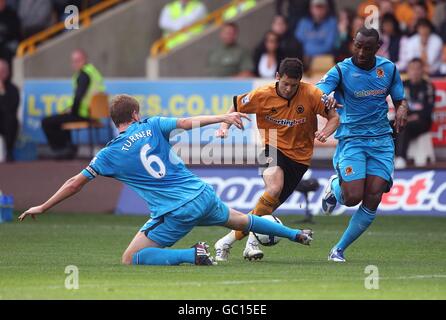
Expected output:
(233, 118)
(68, 189)
(330, 127)
(222, 132)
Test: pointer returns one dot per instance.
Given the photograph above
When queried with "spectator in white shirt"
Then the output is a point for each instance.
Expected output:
(267, 56)
(426, 45)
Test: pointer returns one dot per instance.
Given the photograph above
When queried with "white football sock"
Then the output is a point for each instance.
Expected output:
(252, 240)
(229, 239)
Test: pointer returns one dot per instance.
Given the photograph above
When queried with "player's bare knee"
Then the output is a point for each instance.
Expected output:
(273, 181)
(351, 202)
(352, 199)
(372, 201)
(274, 190)
(239, 223)
(127, 258)
(237, 220)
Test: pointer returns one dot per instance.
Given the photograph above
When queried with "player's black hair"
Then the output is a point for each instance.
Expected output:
(122, 108)
(292, 67)
(369, 33)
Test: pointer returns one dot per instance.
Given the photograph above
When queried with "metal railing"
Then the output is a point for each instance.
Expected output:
(216, 18)
(29, 45)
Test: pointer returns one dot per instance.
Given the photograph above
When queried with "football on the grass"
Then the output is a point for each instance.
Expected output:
(267, 240)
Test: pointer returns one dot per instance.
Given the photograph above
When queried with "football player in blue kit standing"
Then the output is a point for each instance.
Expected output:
(365, 153)
(142, 158)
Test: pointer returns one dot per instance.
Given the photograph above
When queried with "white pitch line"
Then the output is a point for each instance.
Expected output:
(242, 282)
(239, 282)
(419, 276)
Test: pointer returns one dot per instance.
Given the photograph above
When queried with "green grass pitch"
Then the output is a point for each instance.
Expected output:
(410, 253)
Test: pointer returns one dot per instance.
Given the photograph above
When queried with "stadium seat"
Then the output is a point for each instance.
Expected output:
(421, 149)
(98, 110)
(321, 64)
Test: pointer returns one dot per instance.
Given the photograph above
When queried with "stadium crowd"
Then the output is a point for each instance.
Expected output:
(20, 19)
(413, 33)
(413, 36)
(307, 29)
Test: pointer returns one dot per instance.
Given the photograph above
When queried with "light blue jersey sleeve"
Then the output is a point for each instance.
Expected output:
(330, 81)
(167, 125)
(397, 87)
(98, 166)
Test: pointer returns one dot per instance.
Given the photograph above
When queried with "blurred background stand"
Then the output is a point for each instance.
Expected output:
(305, 187)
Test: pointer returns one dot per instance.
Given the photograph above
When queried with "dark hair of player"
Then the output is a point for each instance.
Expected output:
(291, 67)
(122, 109)
(366, 32)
